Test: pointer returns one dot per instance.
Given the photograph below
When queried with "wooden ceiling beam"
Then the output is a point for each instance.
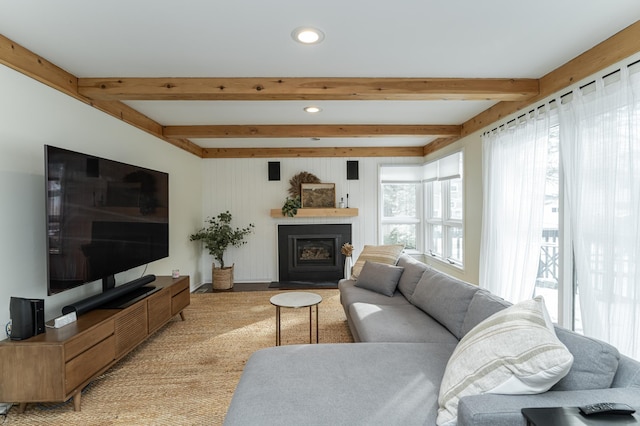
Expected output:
(271, 89)
(438, 144)
(28, 63)
(312, 152)
(611, 51)
(309, 131)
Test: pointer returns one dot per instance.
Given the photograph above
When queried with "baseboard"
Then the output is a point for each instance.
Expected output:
(301, 285)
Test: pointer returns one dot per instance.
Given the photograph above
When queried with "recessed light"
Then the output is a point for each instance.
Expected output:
(312, 109)
(307, 35)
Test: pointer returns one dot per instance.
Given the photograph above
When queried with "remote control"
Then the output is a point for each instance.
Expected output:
(606, 408)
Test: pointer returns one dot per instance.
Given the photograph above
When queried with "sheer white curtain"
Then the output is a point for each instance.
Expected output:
(514, 160)
(600, 148)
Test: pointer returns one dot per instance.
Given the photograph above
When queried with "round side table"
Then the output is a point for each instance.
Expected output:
(296, 299)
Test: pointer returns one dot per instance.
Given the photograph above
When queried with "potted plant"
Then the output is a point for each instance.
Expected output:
(347, 251)
(217, 237)
(291, 206)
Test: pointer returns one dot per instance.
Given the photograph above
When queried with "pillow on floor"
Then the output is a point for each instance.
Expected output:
(387, 254)
(514, 351)
(379, 277)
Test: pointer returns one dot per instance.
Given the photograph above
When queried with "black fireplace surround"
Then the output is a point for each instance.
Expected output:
(312, 252)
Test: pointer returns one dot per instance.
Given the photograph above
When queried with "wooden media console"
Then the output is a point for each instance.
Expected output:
(58, 364)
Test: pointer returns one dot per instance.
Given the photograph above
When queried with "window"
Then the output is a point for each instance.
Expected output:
(587, 258)
(422, 207)
(444, 209)
(400, 201)
(549, 263)
(444, 231)
(400, 214)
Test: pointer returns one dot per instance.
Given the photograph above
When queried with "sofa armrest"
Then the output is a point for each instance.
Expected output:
(504, 410)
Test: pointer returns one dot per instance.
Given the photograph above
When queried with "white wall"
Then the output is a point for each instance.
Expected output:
(472, 172)
(32, 115)
(241, 186)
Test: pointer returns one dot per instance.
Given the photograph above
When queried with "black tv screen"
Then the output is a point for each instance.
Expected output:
(103, 217)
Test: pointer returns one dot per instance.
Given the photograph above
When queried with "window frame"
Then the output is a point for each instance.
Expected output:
(445, 222)
(403, 220)
(443, 171)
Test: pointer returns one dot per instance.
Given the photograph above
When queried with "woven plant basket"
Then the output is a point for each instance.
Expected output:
(223, 278)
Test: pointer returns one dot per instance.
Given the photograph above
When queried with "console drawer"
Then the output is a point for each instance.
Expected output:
(80, 343)
(180, 301)
(88, 363)
(181, 285)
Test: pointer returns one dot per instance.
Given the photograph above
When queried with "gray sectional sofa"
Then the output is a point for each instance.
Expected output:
(392, 376)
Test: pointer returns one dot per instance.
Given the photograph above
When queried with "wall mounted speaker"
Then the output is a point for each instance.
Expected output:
(352, 170)
(93, 167)
(274, 170)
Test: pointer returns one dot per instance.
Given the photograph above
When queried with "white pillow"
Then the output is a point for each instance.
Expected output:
(515, 351)
(387, 254)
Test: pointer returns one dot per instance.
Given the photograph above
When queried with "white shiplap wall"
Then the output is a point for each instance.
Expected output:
(242, 187)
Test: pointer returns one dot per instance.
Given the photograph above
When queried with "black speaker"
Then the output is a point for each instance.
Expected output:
(93, 167)
(352, 170)
(37, 306)
(27, 317)
(274, 170)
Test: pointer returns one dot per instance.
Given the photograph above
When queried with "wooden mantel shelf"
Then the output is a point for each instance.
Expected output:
(307, 212)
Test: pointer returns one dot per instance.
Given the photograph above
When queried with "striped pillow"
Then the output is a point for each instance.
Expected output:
(515, 351)
(387, 254)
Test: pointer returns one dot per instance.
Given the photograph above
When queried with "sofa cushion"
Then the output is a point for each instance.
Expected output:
(349, 294)
(594, 362)
(514, 351)
(387, 254)
(413, 270)
(340, 384)
(482, 306)
(444, 298)
(397, 323)
(627, 373)
(379, 277)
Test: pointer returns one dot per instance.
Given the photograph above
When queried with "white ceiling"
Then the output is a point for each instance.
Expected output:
(372, 38)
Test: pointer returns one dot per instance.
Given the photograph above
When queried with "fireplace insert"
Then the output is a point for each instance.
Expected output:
(312, 252)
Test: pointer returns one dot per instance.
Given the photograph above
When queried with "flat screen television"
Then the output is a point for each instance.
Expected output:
(103, 217)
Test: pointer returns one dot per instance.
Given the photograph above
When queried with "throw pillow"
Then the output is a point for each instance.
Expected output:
(387, 254)
(379, 277)
(514, 351)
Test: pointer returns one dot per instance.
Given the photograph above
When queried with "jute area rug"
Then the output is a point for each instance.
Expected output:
(186, 373)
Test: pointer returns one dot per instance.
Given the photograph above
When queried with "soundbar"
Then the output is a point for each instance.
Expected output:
(93, 302)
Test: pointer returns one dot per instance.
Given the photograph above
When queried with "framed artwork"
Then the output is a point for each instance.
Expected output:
(318, 195)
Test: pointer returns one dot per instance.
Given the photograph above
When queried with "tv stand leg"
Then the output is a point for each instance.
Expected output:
(76, 401)
(182, 315)
(22, 407)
